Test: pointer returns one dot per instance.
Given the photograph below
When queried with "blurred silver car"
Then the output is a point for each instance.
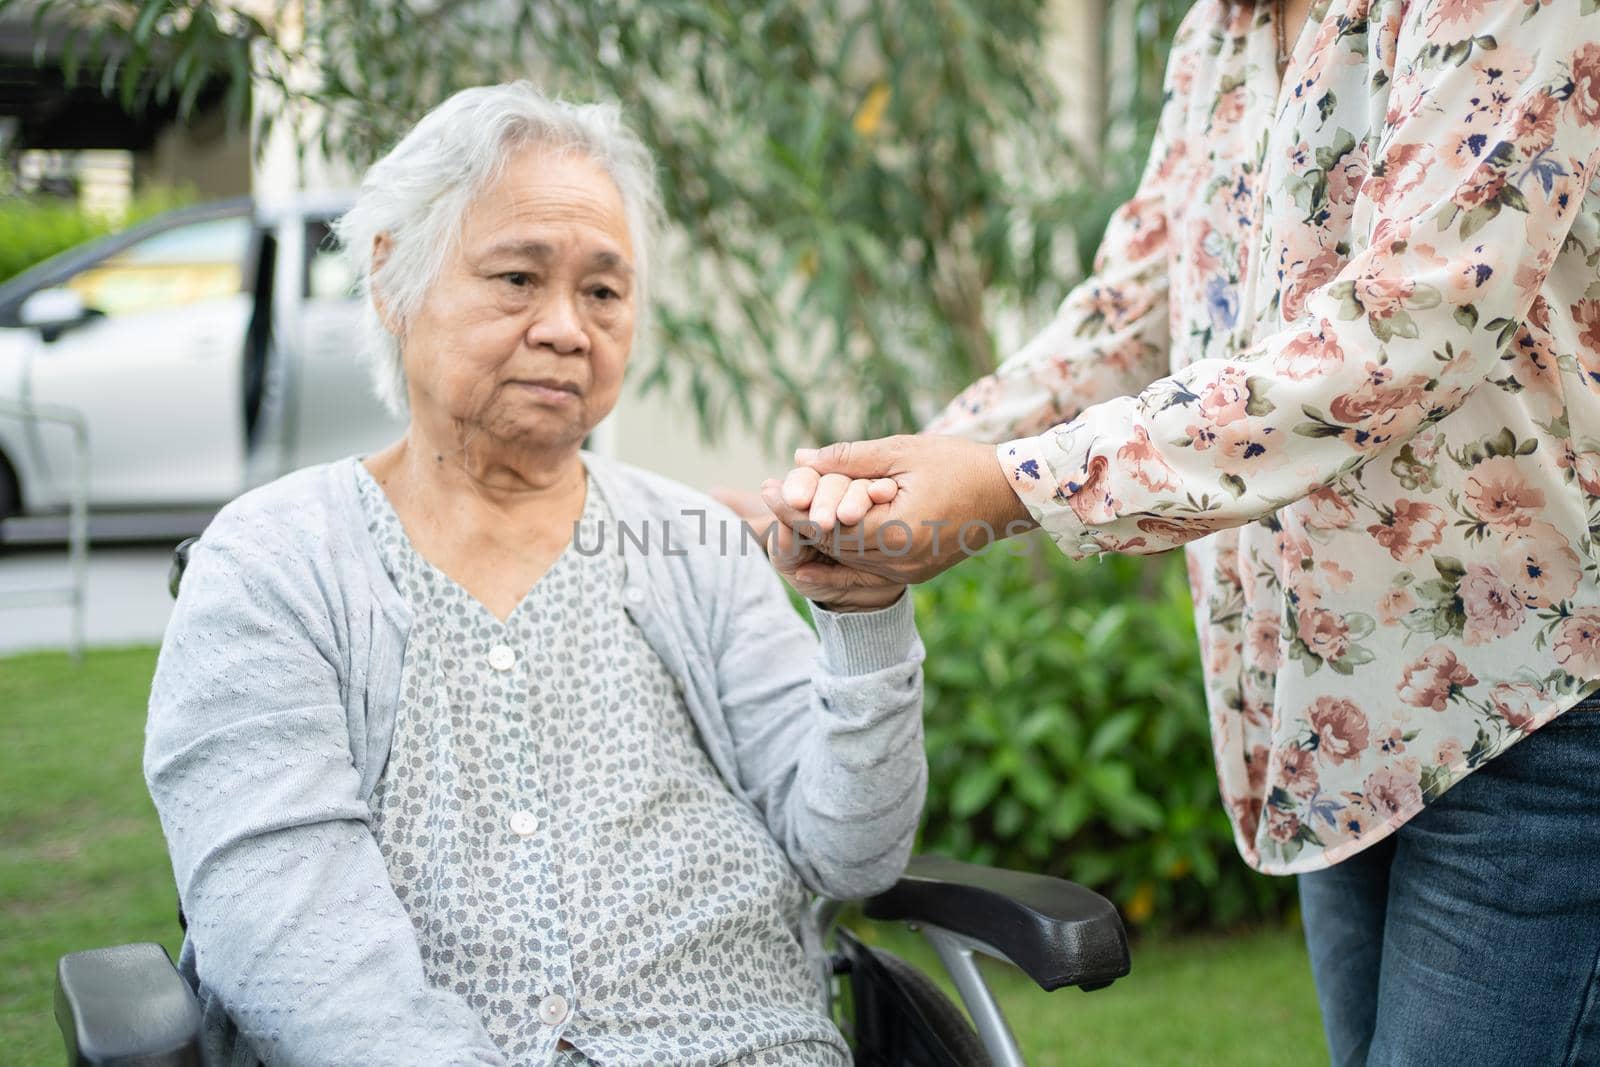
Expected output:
(208, 350)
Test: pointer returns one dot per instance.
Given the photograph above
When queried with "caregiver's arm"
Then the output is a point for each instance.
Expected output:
(827, 727)
(1455, 248)
(1110, 337)
(294, 922)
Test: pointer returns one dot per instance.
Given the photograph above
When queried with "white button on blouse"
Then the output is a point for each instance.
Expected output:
(523, 823)
(553, 1009)
(501, 657)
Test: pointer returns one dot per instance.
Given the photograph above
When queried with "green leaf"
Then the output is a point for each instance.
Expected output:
(1112, 735)
(1258, 404)
(145, 23)
(1325, 105)
(1070, 811)
(1422, 297)
(1108, 778)
(1482, 747)
(1358, 655)
(1344, 142)
(1421, 621)
(1399, 324)
(974, 790)
(1009, 817)
(1135, 809)
(1034, 786)
(1433, 780)
(1345, 294)
(1478, 218)
(996, 664)
(1503, 443)
(1507, 332)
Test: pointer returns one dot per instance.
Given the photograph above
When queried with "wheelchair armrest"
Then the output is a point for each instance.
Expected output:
(126, 1005)
(1055, 931)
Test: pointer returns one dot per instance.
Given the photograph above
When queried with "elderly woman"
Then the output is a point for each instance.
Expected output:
(485, 750)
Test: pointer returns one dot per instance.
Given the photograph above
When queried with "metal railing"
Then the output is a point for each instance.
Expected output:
(73, 594)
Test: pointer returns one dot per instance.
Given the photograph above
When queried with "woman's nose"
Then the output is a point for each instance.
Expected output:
(559, 327)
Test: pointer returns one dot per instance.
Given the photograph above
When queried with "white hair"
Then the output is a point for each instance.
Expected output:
(418, 193)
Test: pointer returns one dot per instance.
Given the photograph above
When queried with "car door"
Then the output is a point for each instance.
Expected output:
(157, 373)
(335, 411)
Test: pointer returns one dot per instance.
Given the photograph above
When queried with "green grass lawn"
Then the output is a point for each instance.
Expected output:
(84, 865)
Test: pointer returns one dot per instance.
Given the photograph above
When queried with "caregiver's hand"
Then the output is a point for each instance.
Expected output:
(952, 499)
(854, 497)
(856, 591)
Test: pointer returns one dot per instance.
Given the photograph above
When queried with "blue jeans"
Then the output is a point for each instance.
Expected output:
(1471, 936)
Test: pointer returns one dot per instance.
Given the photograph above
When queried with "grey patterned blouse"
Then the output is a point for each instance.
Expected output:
(575, 867)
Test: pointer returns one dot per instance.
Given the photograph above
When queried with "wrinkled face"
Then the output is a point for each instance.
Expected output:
(525, 334)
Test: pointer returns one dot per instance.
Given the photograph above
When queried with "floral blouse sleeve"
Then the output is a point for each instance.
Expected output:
(1110, 337)
(1451, 250)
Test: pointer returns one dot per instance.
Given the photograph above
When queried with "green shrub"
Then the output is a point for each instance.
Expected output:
(32, 229)
(1067, 734)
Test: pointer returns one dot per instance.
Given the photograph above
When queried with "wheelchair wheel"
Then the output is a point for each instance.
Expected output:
(899, 1017)
(947, 1021)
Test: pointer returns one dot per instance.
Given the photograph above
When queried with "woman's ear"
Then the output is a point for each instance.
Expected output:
(382, 246)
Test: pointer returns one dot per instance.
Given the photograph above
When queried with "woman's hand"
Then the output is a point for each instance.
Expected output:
(951, 500)
(848, 498)
(859, 591)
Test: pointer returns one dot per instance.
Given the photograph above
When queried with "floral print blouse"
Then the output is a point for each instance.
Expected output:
(1344, 344)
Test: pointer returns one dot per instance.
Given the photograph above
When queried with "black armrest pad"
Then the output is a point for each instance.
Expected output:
(1058, 932)
(126, 1005)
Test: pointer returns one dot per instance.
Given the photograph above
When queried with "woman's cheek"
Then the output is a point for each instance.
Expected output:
(617, 329)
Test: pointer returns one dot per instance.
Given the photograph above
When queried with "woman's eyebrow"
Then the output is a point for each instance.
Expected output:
(543, 252)
(611, 261)
(535, 250)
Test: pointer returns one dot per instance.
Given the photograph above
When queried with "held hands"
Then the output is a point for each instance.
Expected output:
(855, 522)
(789, 551)
(950, 498)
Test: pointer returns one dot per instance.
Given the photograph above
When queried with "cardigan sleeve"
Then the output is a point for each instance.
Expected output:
(1453, 249)
(292, 917)
(827, 728)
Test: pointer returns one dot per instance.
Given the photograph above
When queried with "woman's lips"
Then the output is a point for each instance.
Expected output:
(549, 390)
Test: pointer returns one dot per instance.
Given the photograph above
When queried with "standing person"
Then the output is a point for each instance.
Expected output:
(1344, 346)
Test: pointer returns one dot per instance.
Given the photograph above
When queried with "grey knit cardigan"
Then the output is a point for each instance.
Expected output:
(273, 708)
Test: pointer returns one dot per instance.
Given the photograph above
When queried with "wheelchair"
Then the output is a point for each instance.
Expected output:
(127, 1006)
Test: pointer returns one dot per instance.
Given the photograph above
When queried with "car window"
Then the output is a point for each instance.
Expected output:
(328, 275)
(183, 265)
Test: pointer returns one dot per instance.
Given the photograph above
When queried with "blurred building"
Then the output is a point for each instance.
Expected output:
(77, 140)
